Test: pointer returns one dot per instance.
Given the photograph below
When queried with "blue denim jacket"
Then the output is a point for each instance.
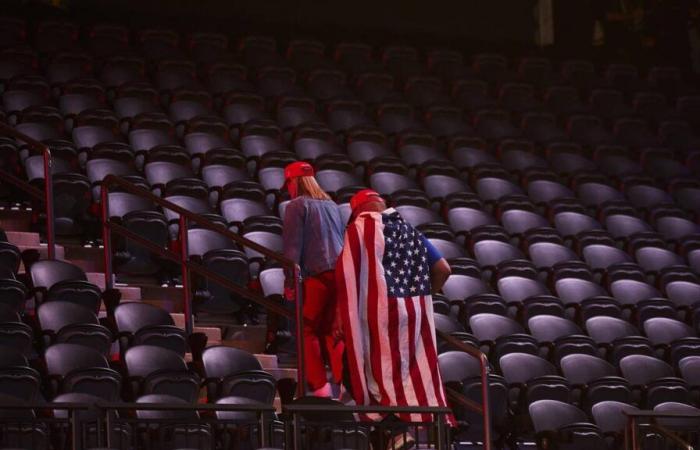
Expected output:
(313, 234)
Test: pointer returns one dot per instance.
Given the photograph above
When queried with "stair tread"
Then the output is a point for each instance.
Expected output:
(15, 219)
(26, 238)
(128, 292)
(267, 361)
(213, 333)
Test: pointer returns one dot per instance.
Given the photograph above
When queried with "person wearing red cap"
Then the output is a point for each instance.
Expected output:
(386, 275)
(313, 238)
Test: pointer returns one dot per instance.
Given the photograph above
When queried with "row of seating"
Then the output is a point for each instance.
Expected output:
(104, 40)
(565, 197)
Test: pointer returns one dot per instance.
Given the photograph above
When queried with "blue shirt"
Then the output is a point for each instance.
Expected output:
(312, 234)
(434, 254)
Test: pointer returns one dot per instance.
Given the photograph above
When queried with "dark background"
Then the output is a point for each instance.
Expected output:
(461, 24)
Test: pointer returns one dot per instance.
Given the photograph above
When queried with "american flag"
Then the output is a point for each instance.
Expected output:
(383, 282)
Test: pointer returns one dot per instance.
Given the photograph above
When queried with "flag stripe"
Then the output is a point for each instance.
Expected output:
(347, 298)
(376, 316)
(416, 378)
(393, 332)
(428, 336)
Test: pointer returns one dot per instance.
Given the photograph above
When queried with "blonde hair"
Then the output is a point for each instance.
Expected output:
(308, 186)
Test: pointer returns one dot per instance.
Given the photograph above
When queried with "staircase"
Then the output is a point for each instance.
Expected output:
(219, 330)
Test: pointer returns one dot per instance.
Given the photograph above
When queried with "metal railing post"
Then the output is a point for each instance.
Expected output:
(263, 430)
(74, 429)
(106, 237)
(186, 288)
(48, 192)
(485, 398)
(297, 432)
(441, 435)
(299, 298)
(484, 375)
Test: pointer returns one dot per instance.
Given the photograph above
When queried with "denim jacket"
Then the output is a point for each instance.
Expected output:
(312, 234)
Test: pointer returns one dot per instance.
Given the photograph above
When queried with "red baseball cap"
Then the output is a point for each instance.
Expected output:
(364, 196)
(297, 169)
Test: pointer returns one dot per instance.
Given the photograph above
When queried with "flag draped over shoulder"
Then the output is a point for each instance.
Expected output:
(383, 282)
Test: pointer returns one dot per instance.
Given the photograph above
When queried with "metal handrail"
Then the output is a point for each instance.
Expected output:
(484, 367)
(665, 432)
(47, 195)
(631, 440)
(439, 414)
(294, 408)
(109, 225)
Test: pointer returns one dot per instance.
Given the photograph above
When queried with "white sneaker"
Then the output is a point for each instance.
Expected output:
(403, 441)
(324, 391)
(344, 396)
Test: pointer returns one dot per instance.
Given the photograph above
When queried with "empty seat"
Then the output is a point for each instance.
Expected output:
(235, 372)
(689, 368)
(59, 280)
(598, 250)
(633, 132)
(617, 336)
(462, 368)
(387, 175)
(394, 118)
(534, 379)
(141, 323)
(219, 254)
(494, 125)
(13, 294)
(565, 424)
(491, 246)
(71, 323)
(518, 215)
(545, 248)
(608, 103)
(517, 280)
(177, 428)
(548, 329)
(543, 187)
(597, 379)
(471, 94)
(492, 183)
(465, 212)
(655, 378)
(489, 327)
(627, 283)
(464, 281)
(574, 282)
(518, 97)
(157, 370)
(663, 331)
(651, 253)
(17, 335)
(446, 121)
(80, 369)
(327, 84)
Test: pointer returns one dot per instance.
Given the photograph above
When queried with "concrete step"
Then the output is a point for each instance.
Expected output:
(213, 333)
(282, 374)
(267, 361)
(154, 292)
(43, 252)
(129, 293)
(250, 338)
(26, 238)
(15, 219)
(90, 259)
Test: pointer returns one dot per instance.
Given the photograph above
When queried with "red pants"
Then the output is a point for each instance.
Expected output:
(319, 345)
